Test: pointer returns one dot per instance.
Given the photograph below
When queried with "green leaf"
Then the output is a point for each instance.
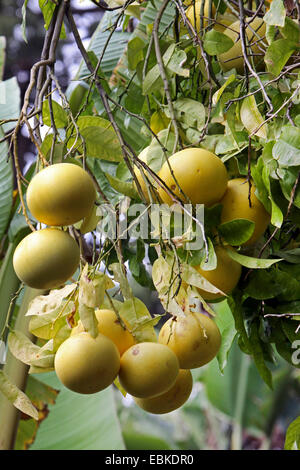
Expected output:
(258, 356)
(238, 231)
(251, 117)
(276, 213)
(287, 149)
(189, 112)
(176, 63)
(276, 15)
(288, 177)
(48, 312)
(235, 305)
(121, 278)
(225, 321)
(217, 95)
(88, 319)
(216, 43)
(291, 256)
(6, 186)
(292, 438)
(268, 285)
(135, 52)
(270, 33)
(24, 7)
(249, 262)
(100, 74)
(29, 353)
(277, 55)
(290, 30)
(155, 154)
(100, 138)
(16, 396)
(59, 114)
(211, 262)
(123, 187)
(94, 427)
(48, 7)
(136, 315)
(153, 80)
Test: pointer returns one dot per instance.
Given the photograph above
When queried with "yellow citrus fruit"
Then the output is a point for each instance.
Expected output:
(85, 364)
(61, 194)
(236, 206)
(193, 13)
(194, 338)
(220, 21)
(201, 175)
(46, 259)
(172, 399)
(233, 58)
(148, 369)
(225, 276)
(110, 326)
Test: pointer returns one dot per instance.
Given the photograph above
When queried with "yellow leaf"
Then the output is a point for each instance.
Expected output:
(252, 119)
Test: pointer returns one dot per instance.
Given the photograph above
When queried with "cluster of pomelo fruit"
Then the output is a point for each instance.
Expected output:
(156, 374)
(197, 176)
(229, 25)
(58, 196)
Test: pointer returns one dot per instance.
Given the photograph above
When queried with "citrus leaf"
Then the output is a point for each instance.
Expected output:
(225, 322)
(92, 287)
(16, 396)
(88, 319)
(276, 15)
(59, 114)
(123, 187)
(287, 148)
(276, 213)
(44, 304)
(249, 262)
(135, 52)
(217, 95)
(6, 186)
(290, 30)
(277, 55)
(29, 353)
(258, 356)
(176, 63)
(292, 438)
(237, 231)
(153, 80)
(251, 117)
(135, 314)
(216, 43)
(120, 277)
